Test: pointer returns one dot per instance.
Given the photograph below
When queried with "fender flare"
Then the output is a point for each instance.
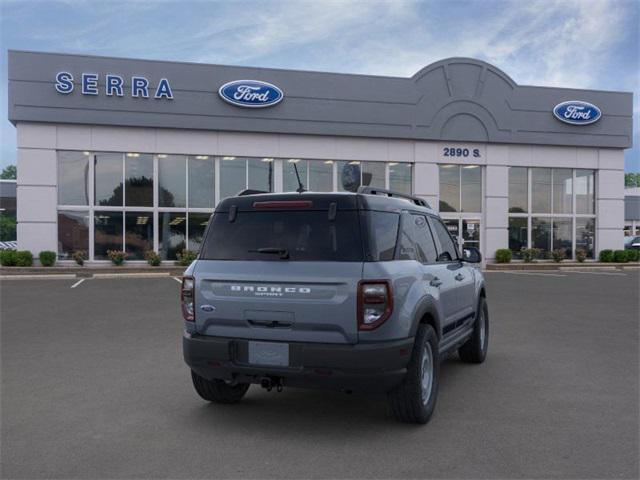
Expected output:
(426, 306)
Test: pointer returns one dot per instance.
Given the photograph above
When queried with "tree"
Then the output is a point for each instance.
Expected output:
(632, 180)
(9, 173)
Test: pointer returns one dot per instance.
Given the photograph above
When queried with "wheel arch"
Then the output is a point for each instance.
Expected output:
(427, 313)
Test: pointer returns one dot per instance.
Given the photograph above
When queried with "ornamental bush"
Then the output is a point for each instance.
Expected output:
(606, 255)
(47, 258)
(558, 255)
(186, 257)
(117, 256)
(581, 254)
(503, 255)
(153, 258)
(8, 258)
(79, 256)
(633, 255)
(620, 256)
(24, 258)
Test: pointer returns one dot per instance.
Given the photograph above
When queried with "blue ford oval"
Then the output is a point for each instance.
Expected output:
(250, 93)
(577, 112)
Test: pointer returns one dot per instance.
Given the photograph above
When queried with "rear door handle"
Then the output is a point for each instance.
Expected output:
(436, 282)
(459, 277)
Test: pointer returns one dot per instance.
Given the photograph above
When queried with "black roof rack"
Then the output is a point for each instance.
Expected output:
(391, 193)
(250, 191)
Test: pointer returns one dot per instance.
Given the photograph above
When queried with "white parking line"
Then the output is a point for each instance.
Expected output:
(599, 273)
(78, 283)
(535, 274)
(55, 276)
(177, 279)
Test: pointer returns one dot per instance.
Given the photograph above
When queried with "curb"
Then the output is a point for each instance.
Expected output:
(89, 272)
(494, 267)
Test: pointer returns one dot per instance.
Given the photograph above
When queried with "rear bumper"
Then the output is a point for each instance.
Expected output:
(361, 367)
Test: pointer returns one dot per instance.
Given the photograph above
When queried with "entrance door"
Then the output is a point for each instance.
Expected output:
(465, 231)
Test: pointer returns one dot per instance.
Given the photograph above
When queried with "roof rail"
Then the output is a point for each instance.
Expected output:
(391, 193)
(250, 191)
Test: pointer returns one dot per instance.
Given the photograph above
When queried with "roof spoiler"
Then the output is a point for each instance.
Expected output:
(390, 193)
(250, 191)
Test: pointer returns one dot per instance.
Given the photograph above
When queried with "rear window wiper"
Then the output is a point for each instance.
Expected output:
(283, 252)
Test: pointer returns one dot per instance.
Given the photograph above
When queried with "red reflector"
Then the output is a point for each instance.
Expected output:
(284, 204)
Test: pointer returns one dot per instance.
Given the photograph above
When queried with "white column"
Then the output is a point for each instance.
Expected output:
(426, 177)
(496, 209)
(610, 200)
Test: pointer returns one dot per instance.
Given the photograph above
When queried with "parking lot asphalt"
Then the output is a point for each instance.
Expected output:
(94, 386)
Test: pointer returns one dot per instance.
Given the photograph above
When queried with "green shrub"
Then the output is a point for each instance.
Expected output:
(47, 258)
(530, 254)
(24, 258)
(606, 256)
(79, 256)
(581, 254)
(117, 256)
(503, 255)
(186, 257)
(558, 255)
(7, 258)
(633, 255)
(153, 258)
(620, 256)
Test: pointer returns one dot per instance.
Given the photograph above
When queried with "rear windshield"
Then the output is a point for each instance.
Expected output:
(300, 235)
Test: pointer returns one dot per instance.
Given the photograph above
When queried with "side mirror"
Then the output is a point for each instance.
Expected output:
(471, 255)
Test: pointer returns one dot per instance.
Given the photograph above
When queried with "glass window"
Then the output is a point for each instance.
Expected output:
(73, 233)
(289, 179)
(73, 178)
(585, 235)
(541, 190)
(108, 179)
(562, 190)
(471, 188)
(541, 235)
(448, 249)
(562, 235)
(233, 176)
(107, 234)
(197, 225)
(201, 182)
(407, 241)
(138, 237)
(349, 176)
(424, 240)
(320, 176)
(517, 235)
(518, 190)
(171, 181)
(172, 234)
(453, 225)
(471, 233)
(449, 188)
(138, 172)
(400, 177)
(383, 235)
(260, 174)
(585, 192)
(373, 174)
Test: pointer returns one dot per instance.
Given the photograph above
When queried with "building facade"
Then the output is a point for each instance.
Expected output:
(632, 211)
(134, 155)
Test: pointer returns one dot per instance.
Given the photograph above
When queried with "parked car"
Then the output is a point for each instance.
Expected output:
(632, 242)
(357, 291)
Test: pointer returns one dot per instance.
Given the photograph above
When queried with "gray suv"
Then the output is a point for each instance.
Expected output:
(361, 292)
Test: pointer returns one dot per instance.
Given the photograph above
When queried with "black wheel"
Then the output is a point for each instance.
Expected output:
(218, 391)
(474, 350)
(414, 400)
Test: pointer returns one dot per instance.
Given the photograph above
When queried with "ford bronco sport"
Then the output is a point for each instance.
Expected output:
(357, 291)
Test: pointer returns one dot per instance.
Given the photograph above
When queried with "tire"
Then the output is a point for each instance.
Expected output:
(412, 401)
(474, 350)
(218, 391)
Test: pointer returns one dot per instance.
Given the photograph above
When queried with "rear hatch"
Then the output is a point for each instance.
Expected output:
(284, 269)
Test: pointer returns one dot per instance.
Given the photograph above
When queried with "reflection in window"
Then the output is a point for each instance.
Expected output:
(373, 174)
(108, 179)
(172, 234)
(541, 190)
(108, 233)
(233, 176)
(349, 176)
(73, 178)
(260, 175)
(171, 181)
(289, 179)
(562, 190)
(400, 177)
(197, 225)
(517, 235)
(541, 235)
(138, 234)
(585, 235)
(320, 175)
(471, 180)
(562, 235)
(518, 190)
(449, 188)
(138, 170)
(585, 192)
(73, 233)
(201, 182)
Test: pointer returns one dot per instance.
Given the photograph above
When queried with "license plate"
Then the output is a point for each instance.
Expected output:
(269, 353)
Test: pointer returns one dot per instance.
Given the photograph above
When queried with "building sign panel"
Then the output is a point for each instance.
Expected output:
(577, 112)
(250, 93)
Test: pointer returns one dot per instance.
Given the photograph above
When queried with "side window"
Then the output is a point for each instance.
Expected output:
(383, 236)
(407, 241)
(448, 251)
(424, 239)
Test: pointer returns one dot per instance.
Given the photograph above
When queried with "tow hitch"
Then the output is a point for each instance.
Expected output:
(268, 383)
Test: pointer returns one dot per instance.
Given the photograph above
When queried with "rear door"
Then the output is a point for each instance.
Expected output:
(278, 274)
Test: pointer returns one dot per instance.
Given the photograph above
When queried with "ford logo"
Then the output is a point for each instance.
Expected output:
(250, 93)
(576, 112)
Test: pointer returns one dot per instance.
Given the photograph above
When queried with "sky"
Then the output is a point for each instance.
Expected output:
(567, 43)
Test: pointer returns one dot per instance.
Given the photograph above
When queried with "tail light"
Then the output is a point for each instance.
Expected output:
(375, 303)
(186, 298)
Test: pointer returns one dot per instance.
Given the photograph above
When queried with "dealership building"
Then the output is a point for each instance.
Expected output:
(134, 155)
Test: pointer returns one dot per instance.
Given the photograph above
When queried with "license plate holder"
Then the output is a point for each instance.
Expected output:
(269, 353)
